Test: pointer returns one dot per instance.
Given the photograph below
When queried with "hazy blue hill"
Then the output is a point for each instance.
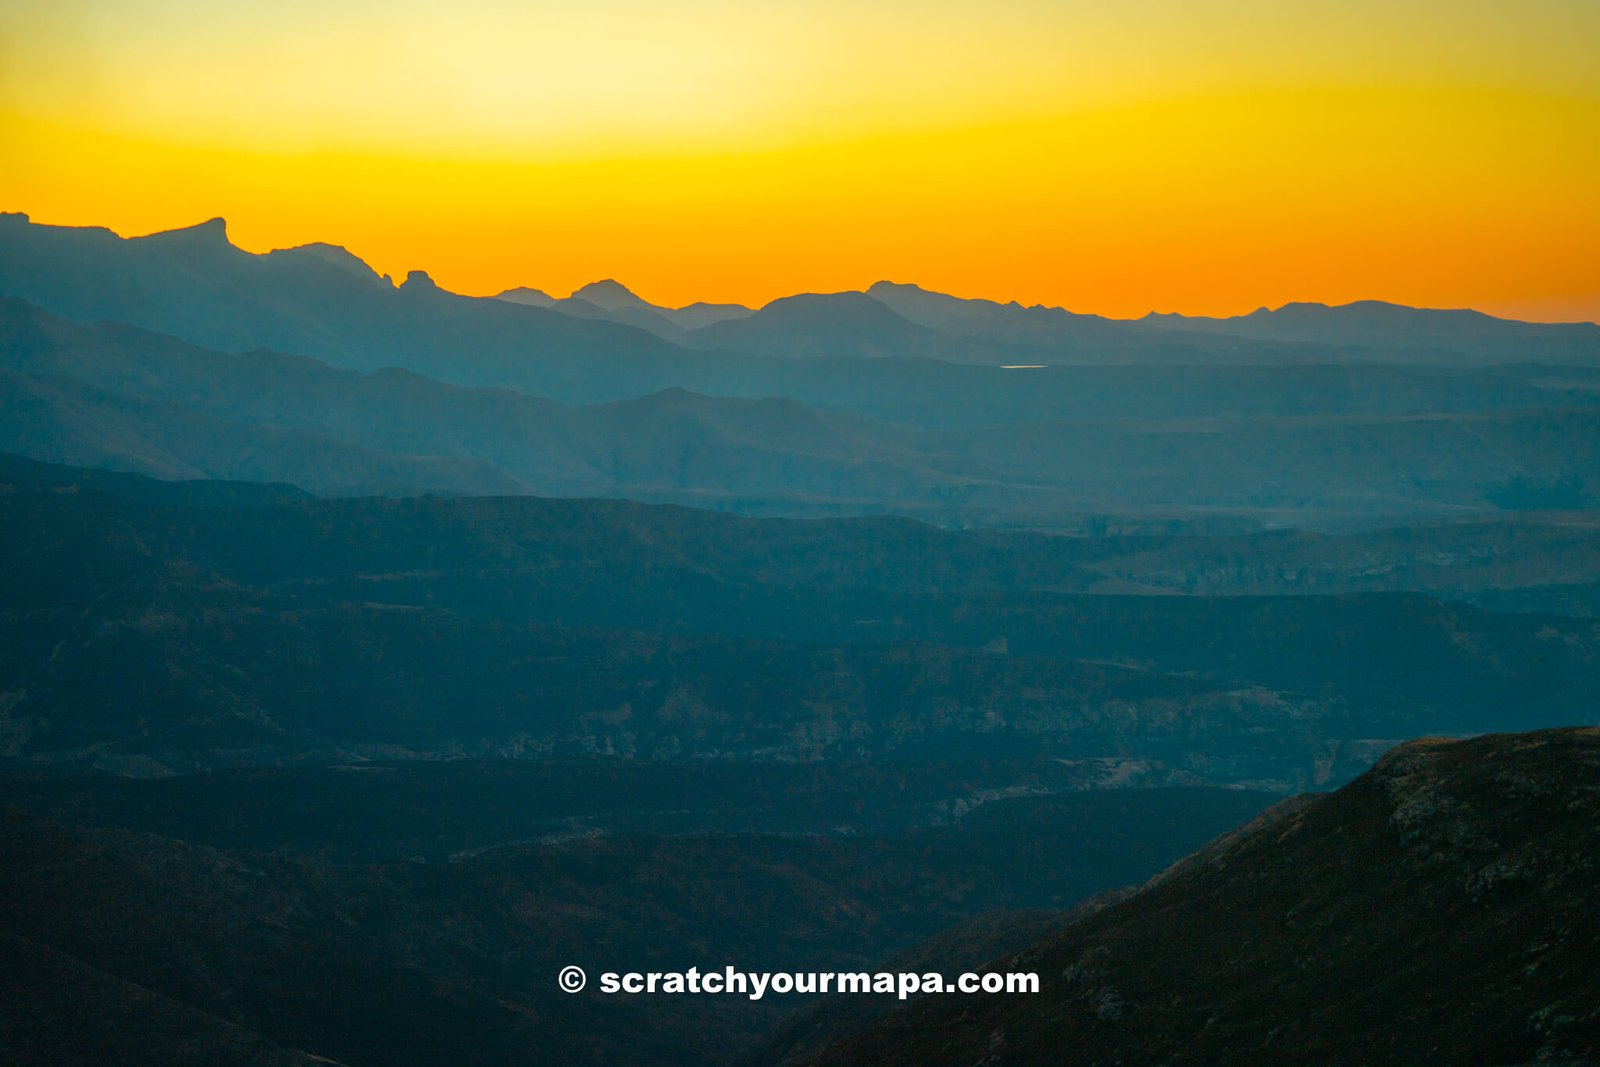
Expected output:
(844, 324)
(1376, 324)
(755, 449)
(495, 440)
(611, 300)
(320, 301)
(981, 332)
(1011, 323)
(183, 637)
(524, 295)
(700, 313)
(113, 395)
(931, 394)
(926, 392)
(166, 408)
(1295, 334)
(61, 421)
(1420, 465)
(1436, 910)
(195, 285)
(611, 295)
(931, 309)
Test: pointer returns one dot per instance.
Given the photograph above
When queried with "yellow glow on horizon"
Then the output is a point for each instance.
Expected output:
(1198, 157)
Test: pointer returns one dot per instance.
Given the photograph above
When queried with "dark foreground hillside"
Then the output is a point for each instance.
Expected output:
(1440, 909)
(120, 947)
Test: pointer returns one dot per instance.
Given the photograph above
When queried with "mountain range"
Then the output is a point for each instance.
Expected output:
(113, 395)
(369, 652)
(319, 300)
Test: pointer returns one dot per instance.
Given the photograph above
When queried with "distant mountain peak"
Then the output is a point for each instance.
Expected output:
(610, 294)
(418, 280)
(701, 314)
(922, 306)
(523, 294)
(833, 312)
(212, 232)
(851, 298)
(333, 255)
(884, 285)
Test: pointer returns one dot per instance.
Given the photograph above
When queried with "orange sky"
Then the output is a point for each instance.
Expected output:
(1153, 155)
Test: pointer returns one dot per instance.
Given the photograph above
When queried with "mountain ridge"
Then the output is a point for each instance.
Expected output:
(211, 261)
(121, 396)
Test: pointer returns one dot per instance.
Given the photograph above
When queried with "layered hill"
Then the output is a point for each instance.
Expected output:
(1439, 909)
(113, 395)
(1377, 324)
(148, 633)
(847, 324)
(605, 343)
(610, 299)
(320, 301)
(1366, 330)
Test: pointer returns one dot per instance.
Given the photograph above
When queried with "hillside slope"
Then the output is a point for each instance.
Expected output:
(1439, 909)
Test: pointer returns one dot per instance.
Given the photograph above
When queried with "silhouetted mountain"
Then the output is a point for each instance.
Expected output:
(1367, 331)
(320, 301)
(523, 295)
(611, 295)
(1438, 910)
(1047, 327)
(698, 314)
(614, 302)
(844, 324)
(195, 285)
(1376, 324)
(651, 320)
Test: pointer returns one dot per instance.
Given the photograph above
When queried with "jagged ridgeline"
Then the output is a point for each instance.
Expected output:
(370, 652)
(180, 355)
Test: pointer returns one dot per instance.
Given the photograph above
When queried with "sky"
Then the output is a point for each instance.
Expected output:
(1204, 156)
